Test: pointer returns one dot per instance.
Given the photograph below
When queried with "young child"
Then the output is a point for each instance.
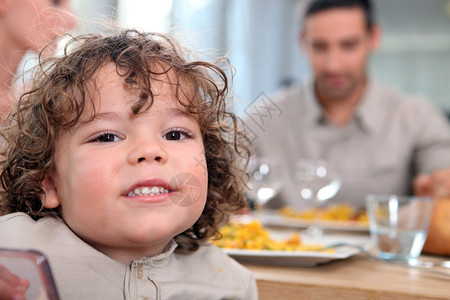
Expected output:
(120, 163)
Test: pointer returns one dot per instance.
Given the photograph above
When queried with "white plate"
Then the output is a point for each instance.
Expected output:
(304, 258)
(274, 218)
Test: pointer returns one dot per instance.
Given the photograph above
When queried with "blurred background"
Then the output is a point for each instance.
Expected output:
(260, 37)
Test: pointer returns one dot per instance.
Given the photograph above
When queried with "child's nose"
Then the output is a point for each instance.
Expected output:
(148, 151)
(156, 158)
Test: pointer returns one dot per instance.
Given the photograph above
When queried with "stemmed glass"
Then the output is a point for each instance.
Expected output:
(317, 183)
(265, 181)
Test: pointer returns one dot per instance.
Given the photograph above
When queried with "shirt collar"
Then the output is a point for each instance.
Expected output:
(369, 111)
(367, 114)
(313, 109)
(160, 259)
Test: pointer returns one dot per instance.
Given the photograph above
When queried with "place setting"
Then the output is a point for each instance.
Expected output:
(264, 236)
(390, 229)
(317, 183)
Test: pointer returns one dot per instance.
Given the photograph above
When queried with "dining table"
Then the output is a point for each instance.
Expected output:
(358, 276)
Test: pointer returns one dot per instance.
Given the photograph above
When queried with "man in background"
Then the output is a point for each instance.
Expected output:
(378, 140)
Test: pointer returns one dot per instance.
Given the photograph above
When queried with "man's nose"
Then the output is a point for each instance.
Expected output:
(333, 61)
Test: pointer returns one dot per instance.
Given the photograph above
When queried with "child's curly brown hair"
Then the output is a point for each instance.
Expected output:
(59, 93)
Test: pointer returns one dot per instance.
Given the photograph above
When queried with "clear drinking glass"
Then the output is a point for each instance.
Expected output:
(399, 224)
(317, 183)
(265, 181)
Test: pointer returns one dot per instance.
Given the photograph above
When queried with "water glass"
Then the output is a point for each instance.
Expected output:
(317, 183)
(399, 225)
(265, 181)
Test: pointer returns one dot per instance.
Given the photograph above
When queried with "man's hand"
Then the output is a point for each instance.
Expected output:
(436, 185)
(11, 286)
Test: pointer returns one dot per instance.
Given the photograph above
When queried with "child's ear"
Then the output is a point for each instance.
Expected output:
(51, 197)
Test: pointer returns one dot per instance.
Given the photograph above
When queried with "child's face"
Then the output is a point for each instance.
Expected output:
(103, 167)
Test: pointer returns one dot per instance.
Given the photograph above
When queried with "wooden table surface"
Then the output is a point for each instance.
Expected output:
(357, 277)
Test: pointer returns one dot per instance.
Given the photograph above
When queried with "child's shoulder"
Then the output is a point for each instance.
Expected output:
(19, 220)
(20, 230)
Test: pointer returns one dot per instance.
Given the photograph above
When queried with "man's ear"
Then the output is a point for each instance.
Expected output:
(51, 197)
(375, 37)
(301, 40)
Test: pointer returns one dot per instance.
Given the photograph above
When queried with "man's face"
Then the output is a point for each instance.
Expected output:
(338, 45)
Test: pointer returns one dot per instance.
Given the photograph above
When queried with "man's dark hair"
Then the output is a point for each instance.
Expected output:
(315, 6)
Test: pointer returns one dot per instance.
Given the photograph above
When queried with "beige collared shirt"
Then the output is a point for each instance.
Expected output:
(81, 272)
(391, 137)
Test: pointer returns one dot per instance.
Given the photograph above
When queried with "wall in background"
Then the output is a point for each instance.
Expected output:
(260, 38)
(415, 51)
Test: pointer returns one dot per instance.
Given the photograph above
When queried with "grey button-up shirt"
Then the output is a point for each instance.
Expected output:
(390, 138)
(82, 272)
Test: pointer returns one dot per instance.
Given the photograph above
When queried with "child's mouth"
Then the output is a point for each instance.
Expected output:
(148, 191)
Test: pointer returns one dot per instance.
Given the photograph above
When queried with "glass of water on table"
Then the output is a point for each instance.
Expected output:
(265, 181)
(399, 225)
(317, 183)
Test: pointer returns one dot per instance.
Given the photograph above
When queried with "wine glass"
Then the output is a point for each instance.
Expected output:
(317, 183)
(265, 181)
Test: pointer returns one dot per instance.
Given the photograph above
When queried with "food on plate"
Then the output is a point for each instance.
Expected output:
(337, 212)
(253, 236)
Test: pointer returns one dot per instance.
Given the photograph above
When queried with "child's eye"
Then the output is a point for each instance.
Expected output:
(106, 137)
(176, 135)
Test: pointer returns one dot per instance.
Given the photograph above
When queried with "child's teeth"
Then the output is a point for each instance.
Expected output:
(155, 190)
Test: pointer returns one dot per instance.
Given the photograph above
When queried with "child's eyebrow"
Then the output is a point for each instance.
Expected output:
(174, 112)
(108, 116)
(114, 117)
